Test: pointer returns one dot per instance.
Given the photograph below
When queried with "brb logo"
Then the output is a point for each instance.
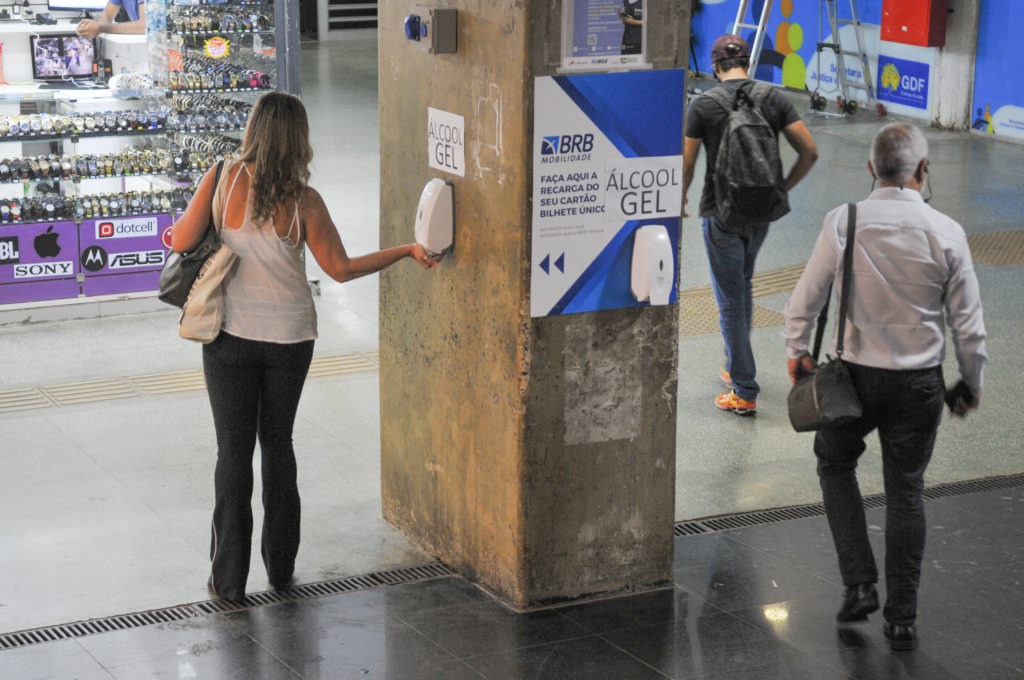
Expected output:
(566, 144)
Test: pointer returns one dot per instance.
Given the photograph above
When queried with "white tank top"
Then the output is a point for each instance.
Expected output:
(267, 296)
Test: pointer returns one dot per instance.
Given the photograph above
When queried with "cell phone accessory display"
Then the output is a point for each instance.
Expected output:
(27, 127)
(213, 60)
(105, 175)
(43, 207)
(131, 161)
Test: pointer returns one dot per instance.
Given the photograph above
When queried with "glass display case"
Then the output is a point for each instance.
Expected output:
(213, 60)
(91, 180)
(85, 194)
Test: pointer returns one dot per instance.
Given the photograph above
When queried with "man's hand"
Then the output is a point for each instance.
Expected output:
(801, 366)
(88, 28)
(962, 399)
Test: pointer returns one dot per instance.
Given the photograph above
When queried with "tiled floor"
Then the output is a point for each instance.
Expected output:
(106, 505)
(755, 603)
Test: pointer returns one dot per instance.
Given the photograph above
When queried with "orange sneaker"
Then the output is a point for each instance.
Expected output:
(730, 402)
(726, 378)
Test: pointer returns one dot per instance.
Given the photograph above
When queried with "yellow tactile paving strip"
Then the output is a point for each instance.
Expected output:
(999, 248)
(107, 389)
(698, 315)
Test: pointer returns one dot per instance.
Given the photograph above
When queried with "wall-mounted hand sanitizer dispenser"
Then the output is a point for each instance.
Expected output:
(435, 217)
(654, 269)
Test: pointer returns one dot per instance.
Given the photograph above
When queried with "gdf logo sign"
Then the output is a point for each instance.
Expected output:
(94, 259)
(165, 238)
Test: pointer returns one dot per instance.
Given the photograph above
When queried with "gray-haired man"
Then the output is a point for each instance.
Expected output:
(912, 271)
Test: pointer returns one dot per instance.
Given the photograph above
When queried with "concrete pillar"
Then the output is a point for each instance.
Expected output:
(954, 68)
(534, 455)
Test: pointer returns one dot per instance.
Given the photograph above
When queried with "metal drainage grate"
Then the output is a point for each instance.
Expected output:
(761, 517)
(301, 592)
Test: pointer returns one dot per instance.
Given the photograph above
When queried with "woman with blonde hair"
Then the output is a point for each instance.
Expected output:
(256, 368)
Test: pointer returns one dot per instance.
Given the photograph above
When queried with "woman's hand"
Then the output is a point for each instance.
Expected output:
(423, 258)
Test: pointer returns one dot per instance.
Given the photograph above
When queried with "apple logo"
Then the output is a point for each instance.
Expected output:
(46, 243)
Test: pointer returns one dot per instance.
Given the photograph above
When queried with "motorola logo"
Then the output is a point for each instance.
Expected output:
(94, 259)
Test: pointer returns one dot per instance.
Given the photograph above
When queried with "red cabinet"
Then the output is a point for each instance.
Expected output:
(915, 22)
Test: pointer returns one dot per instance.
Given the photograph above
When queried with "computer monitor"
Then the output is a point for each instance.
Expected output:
(62, 57)
(77, 5)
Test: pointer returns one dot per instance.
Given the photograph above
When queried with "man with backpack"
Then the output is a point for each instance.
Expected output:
(738, 122)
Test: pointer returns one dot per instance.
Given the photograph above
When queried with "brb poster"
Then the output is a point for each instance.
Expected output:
(607, 153)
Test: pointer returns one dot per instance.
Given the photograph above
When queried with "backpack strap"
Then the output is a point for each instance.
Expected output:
(721, 98)
(755, 92)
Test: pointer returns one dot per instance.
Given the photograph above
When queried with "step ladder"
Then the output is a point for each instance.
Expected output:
(845, 103)
(759, 27)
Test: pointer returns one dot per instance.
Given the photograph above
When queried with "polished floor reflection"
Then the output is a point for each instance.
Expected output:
(755, 603)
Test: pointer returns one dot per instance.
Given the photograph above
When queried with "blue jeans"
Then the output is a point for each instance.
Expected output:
(254, 389)
(731, 257)
(906, 408)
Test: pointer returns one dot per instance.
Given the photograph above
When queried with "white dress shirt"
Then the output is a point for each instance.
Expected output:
(912, 273)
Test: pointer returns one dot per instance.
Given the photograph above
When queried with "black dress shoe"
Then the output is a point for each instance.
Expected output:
(235, 598)
(282, 583)
(858, 601)
(902, 637)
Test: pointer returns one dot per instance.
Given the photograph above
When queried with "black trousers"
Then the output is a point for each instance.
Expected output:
(254, 389)
(906, 408)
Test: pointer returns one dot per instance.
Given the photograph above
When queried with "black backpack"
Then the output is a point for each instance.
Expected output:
(750, 187)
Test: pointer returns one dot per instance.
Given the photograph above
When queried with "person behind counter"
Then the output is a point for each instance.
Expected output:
(134, 24)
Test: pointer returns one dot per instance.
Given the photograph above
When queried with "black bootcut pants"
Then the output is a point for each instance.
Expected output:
(906, 408)
(254, 389)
